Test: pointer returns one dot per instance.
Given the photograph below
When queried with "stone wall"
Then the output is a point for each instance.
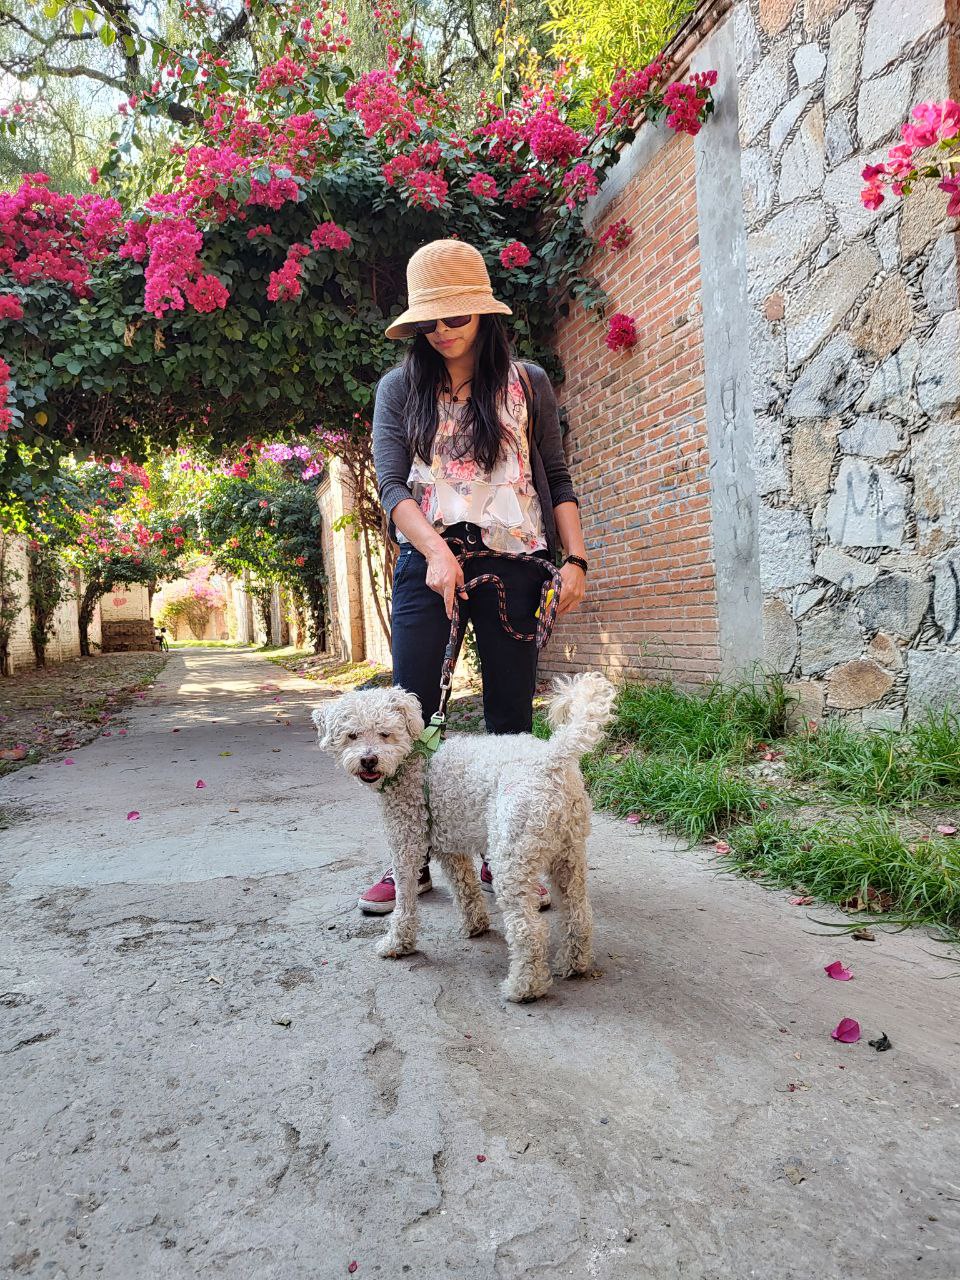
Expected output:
(854, 334)
(64, 641)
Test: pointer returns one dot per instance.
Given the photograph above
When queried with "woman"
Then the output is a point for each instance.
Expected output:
(458, 459)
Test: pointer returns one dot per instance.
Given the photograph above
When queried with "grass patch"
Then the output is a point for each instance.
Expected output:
(693, 797)
(725, 720)
(881, 767)
(861, 862)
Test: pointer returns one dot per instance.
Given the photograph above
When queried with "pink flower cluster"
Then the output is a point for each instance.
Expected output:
(580, 182)
(11, 308)
(48, 236)
(629, 94)
(6, 415)
(329, 236)
(553, 141)
(285, 284)
(516, 254)
(283, 72)
(622, 332)
(935, 124)
(484, 186)
(617, 236)
(687, 102)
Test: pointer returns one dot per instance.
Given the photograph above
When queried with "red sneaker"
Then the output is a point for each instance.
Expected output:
(381, 898)
(486, 884)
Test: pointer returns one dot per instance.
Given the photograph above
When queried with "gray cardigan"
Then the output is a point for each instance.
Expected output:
(391, 448)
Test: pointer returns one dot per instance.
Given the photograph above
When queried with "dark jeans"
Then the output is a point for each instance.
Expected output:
(421, 629)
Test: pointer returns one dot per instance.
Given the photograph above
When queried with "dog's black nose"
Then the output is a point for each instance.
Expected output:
(368, 763)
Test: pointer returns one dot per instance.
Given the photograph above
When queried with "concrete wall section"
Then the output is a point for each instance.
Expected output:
(726, 355)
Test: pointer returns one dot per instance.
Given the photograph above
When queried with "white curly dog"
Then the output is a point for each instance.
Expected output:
(515, 800)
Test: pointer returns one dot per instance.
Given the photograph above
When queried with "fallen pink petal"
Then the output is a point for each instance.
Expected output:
(123, 733)
(69, 760)
(200, 784)
(837, 971)
(133, 815)
(721, 847)
(352, 1267)
(947, 830)
(847, 1031)
(800, 902)
(633, 818)
(481, 1159)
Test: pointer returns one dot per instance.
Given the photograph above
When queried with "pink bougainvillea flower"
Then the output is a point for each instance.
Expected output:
(200, 784)
(721, 847)
(621, 333)
(946, 830)
(837, 971)
(633, 818)
(800, 902)
(69, 760)
(123, 733)
(516, 254)
(133, 815)
(481, 1159)
(353, 1267)
(847, 1031)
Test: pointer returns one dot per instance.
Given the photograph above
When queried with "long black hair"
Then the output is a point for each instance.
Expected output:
(480, 433)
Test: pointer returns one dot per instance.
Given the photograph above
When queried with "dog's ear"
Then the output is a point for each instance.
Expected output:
(408, 704)
(319, 717)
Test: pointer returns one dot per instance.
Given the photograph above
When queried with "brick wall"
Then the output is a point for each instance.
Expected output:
(637, 442)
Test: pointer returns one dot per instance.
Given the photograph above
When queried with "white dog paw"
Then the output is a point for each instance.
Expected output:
(476, 927)
(389, 949)
(523, 993)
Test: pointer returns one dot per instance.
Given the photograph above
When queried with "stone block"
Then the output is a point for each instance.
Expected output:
(829, 638)
(871, 438)
(746, 41)
(938, 377)
(857, 684)
(844, 571)
(814, 447)
(886, 239)
(769, 455)
(756, 177)
(822, 303)
(868, 507)
(946, 596)
(805, 600)
(841, 190)
(895, 602)
(806, 707)
(891, 386)
(777, 248)
(936, 487)
(922, 219)
(933, 680)
(809, 62)
(764, 93)
(786, 548)
(883, 105)
(830, 383)
(780, 641)
(883, 718)
(768, 361)
(842, 69)
(940, 277)
(787, 117)
(775, 15)
(837, 138)
(885, 650)
(817, 11)
(802, 167)
(884, 323)
(893, 27)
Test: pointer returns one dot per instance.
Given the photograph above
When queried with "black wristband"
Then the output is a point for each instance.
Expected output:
(578, 561)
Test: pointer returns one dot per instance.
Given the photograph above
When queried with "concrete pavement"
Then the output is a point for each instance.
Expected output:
(685, 1115)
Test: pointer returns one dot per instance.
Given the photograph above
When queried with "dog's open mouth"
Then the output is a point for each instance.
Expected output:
(370, 775)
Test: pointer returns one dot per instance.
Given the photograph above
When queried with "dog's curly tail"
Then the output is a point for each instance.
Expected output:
(578, 713)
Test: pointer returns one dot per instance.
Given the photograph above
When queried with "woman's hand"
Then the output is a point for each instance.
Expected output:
(573, 590)
(444, 575)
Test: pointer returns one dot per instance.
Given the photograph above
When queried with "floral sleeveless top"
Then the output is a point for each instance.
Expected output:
(504, 501)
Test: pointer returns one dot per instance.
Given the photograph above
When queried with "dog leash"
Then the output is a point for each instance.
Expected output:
(546, 615)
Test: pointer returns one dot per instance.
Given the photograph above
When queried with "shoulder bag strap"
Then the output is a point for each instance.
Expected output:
(528, 393)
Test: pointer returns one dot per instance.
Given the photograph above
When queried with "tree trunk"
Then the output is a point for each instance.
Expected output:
(91, 594)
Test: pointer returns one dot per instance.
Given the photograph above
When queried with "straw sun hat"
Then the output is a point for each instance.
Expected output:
(446, 278)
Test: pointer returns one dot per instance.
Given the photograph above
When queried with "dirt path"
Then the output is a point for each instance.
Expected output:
(157, 1121)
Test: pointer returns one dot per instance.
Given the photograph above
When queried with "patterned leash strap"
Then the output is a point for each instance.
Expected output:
(546, 615)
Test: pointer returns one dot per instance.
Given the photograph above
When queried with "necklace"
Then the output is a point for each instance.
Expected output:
(454, 398)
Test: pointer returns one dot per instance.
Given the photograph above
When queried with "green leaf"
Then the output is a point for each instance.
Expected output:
(107, 36)
(79, 20)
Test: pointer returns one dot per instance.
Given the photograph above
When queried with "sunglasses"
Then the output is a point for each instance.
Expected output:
(451, 322)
